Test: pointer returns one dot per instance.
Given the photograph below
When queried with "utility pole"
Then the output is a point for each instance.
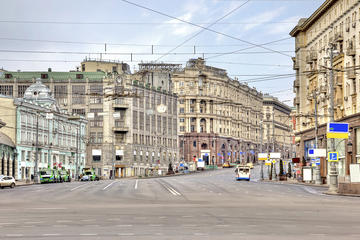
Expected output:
(261, 149)
(268, 139)
(333, 170)
(77, 155)
(273, 177)
(36, 178)
(317, 167)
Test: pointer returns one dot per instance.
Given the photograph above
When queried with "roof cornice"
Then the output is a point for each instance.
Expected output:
(315, 16)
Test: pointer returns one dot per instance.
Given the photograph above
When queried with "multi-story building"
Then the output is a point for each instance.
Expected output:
(36, 122)
(333, 28)
(118, 106)
(219, 118)
(277, 127)
(144, 118)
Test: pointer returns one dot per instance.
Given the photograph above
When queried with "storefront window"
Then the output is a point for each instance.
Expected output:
(357, 132)
(340, 148)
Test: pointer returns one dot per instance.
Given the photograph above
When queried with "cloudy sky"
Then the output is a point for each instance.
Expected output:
(59, 34)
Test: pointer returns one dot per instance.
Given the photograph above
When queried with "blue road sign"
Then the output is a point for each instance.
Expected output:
(311, 151)
(333, 156)
(229, 153)
(219, 154)
(252, 152)
(200, 160)
(206, 154)
(338, 127)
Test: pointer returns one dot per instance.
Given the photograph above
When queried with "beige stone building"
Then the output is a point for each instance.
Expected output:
(219, 118)
(277, 127)
(336, 24)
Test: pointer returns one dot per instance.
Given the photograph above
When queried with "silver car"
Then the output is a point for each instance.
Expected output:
(7, 181)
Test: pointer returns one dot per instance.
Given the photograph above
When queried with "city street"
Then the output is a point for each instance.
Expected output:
(208, 205)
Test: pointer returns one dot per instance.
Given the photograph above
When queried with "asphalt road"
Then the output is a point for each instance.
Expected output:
(209, 205)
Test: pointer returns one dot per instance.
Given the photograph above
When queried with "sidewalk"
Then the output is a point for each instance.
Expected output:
(324, 186)
(23, 183)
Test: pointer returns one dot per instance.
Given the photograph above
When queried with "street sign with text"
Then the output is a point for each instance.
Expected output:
(262, 156)
(275, 155)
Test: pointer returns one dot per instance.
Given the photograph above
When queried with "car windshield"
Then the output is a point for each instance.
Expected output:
(88, 173)
(45, 172)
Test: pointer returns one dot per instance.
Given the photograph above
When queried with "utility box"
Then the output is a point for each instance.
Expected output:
(307, 174)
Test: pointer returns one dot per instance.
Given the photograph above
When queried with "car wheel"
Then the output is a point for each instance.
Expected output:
(12, 185)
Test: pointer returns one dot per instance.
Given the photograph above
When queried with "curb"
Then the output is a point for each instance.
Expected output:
(294, 183)
(341, 194)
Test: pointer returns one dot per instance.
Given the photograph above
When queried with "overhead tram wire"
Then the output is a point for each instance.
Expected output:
(202, 30)
(214, 31)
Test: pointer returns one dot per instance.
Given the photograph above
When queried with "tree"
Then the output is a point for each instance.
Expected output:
(289, 170)
(281, 172)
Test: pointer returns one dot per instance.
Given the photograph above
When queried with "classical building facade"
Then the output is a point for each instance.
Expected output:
(277, 127)
(8, 161)
(118, 106)
(38, 116)
(219, 118)
(335, 27)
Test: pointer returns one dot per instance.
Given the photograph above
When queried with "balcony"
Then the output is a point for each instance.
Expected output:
(351, 51)
(120, 103)
(339, 37)
(308, 59)
(295, 64)
(120, 126)
(351, 74)
(313, 56)
(339, 81)
(296, 83)
(120, 129)
(296, 101)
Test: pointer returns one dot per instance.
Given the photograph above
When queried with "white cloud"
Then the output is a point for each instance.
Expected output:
(263, 18)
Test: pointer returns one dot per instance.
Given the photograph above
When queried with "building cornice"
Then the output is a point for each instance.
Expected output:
(315, 16)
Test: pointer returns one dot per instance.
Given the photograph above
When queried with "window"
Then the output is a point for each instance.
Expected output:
(96, 92)
(182, 119)
(79, 112)
(99, 137)
(21, 90)
(6, 90)
(8, 75)
(44, 76)
(357, 132)
(135, 120)
(194, 144)
(141, 121)
(83, 67)
(182, 129)
(114, 68)
(79, 76)
(181, 110)
(78, 94)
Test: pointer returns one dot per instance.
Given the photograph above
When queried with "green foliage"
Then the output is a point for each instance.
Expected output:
(281, 173)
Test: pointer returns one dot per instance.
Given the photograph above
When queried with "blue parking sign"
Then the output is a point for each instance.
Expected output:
(333, 156)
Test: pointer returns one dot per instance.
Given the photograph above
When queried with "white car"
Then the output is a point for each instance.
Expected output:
(7, 181)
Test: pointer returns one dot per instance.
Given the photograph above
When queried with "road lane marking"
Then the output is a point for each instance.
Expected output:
(46, 208)
(126, 234)
(7, 223)
(63, 221)
(136, 184)
(129, 225)
(51, 234)
(156, 225)
(32, 222)
(14, 235)
(88, 234)
(78, 187)
(109, 185)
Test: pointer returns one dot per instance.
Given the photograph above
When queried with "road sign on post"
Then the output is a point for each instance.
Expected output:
(262, 156)
(337, 130)
(333, 156)
(318, 152)
(275, 155)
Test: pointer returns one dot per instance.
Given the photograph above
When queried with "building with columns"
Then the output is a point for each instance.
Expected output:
(8, 161)
(219, 118)
(333, 28)
(37, 117)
